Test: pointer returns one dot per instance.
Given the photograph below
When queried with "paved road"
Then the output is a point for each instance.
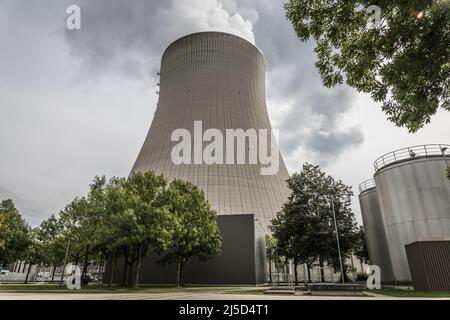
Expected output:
(176, 296)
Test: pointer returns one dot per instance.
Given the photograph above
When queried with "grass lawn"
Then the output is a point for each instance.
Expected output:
(55, 288)
(411, 293)
(247, 292)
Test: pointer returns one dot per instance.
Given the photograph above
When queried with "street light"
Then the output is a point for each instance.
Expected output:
(337, 239)
(65, 262)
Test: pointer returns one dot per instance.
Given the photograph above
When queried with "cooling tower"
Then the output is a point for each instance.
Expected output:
(414, 196)
(218, 79)
(374, 229)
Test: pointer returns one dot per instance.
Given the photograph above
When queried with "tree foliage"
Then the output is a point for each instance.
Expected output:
(194, 226)
(34, 253)
(305, 229)
(2, 231)
(403, 62)
(14, 237)
(53, 243)
(271, 253)
(361, 251)
(119, 218)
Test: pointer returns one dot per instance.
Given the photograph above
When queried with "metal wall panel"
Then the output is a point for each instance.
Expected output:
(241, 262)
(414, 197)
(429, 262)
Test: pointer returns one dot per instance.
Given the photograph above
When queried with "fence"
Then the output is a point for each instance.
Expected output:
(422, 151)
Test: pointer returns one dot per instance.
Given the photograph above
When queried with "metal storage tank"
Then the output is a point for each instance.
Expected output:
(219, 79)
(374, 229)
(414, 197)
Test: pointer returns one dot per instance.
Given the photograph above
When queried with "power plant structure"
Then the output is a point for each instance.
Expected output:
(212, 87)
(218, 79)
(407, 202)
(374, 229)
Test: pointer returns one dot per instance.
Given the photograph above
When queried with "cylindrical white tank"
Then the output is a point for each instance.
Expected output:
(374, 230)
(414, 196)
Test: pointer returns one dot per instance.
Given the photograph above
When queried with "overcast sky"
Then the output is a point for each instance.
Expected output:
(75, 104)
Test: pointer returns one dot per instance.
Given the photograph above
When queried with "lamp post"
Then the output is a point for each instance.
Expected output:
(276, 265)
(337, 239)
(65, 262)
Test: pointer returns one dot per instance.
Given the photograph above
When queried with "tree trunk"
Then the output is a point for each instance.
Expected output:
(270, 269)
(19, 266)
(124, 275)
(138, 267)
(112, 266)
(24, 266)
(85, 265)
(344, 275)
(53, 273)
(179, 268)
(322, 273)
(130, 272)
(77, 258)
(309, 273)
(295, 273)
(28, 273)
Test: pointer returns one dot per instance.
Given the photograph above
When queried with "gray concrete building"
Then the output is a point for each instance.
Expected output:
(241, 262)
(218, 79)
(413, 194)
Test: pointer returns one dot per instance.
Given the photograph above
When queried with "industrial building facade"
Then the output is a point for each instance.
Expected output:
(408, 201)
(216, 81)
(241, 262)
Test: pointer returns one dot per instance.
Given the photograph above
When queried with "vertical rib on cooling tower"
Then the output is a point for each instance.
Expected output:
(219, 79)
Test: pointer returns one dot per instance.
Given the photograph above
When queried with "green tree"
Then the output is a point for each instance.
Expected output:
(360, 249)
(76, 227)
(194, 229)
(152, 221)
(271, 253)
(89, 223)
(127, 217)
(336, 201)
(120, 217)
(34, 253)
(53, 242)
(93, 221)
(14, 236)
(305, 228)
(116, 225)
(2, 231)
(292, 231)
(404, 62)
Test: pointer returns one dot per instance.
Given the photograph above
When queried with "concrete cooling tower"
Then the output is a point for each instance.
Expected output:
(214, 80)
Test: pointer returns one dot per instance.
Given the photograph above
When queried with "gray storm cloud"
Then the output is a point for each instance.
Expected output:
(78, 103)
(129, 37)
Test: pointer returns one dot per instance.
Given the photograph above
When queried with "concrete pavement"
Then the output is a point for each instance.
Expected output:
(213, 295)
